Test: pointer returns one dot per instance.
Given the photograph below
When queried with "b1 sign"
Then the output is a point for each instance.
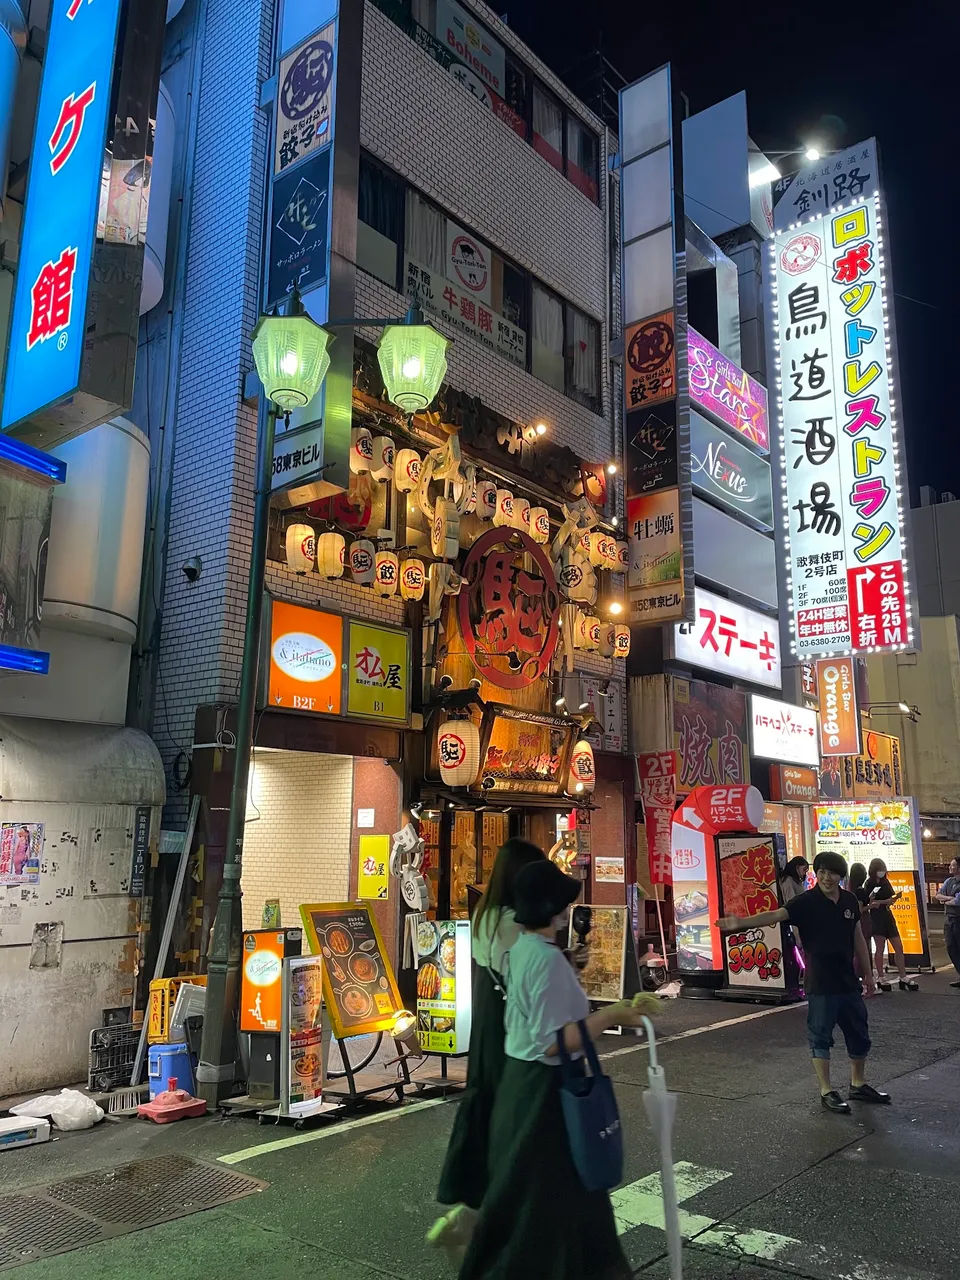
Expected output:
(842, 454)
(730, 639)
(783, 732)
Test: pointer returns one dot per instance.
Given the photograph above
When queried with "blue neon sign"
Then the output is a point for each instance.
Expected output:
(60, 217)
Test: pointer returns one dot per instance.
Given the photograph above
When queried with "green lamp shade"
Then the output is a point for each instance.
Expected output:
(290, 353)
(413, 363)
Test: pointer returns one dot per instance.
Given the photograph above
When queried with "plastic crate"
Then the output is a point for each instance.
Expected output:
(163, 997)
(113, 1051)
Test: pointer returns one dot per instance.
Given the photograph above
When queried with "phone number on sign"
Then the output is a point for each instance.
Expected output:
(748, 952)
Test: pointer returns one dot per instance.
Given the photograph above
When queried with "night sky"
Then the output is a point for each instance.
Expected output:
(824, 75)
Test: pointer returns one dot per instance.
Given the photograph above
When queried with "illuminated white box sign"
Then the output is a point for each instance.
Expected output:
(730, 639)
(840, 439)
(780, 731)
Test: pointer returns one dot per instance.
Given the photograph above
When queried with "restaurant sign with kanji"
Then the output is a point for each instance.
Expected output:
(842, 452)
(730, 639)
(305, 99)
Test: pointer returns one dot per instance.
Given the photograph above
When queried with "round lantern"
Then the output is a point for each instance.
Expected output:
(386, 573)
(540, 524)
(445, 530)
(382, 464)
(608, 549)
(623, 557)
(621, 641)
(587, 632)
(521, 515)
(413, 578)
(361, 450)
(486, 499)
(362, 560)
(503, 516)
(330, 548)
(406, 470)
(583, 543)
(301, 548)
(583, 772)
(458, 752)
(608, 639)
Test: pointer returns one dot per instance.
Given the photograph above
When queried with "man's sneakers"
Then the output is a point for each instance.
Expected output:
(833, 1102)
(858, 1093)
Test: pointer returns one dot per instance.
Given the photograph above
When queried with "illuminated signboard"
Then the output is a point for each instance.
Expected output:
(782, 731)
(730, 639)
(723, 389)
(842, 457)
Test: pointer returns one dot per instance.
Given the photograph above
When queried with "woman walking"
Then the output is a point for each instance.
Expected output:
(463, 1181)
(949, 896)
(880, 898)
(537, 1220)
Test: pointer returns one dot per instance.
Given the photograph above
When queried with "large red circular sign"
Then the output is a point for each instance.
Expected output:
(508, 609)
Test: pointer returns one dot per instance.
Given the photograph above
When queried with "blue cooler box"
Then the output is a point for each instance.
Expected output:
(168, 1060)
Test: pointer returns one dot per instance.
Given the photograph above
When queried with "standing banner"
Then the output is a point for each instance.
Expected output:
(301, 1052)
(658, 793)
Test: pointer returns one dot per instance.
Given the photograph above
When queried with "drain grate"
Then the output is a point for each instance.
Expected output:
(39, 1221)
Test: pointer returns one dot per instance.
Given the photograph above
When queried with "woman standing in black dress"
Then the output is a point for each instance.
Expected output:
(881, 897)
(463, 1182)
(857, 884)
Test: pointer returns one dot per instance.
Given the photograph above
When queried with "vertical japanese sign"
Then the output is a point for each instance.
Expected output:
(305, 99)
(63, 195)
(839, 714)
(842, 457)
(710, 735)
(654, 315)
(373, 859)
(658, 792)
(378, 672)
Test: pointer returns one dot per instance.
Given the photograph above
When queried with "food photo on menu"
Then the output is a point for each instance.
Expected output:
(355, 970)
(694, 947)
(436, 984)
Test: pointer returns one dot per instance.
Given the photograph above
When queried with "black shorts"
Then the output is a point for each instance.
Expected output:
(884, 925)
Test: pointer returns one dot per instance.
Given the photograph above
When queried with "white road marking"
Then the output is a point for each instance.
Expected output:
(640, 1203)
(332, 1131)
(641, 1046)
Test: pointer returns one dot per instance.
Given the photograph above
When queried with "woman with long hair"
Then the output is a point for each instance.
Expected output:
(494, 930)
(880, 898)
(856, 882)
(793, 878)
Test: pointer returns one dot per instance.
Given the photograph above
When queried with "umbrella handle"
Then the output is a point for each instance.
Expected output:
(651, 1042)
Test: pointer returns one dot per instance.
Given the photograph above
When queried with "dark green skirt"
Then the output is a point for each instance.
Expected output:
(464, 1177)
(537, 1222)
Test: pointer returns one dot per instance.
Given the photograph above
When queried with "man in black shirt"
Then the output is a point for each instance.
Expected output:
(828, 921)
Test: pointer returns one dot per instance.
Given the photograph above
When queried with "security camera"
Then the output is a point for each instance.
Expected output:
(192, 568)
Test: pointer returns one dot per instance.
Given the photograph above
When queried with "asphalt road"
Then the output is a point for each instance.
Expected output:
(770, 1183)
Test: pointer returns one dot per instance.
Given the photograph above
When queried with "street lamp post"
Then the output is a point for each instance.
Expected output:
(290, 352)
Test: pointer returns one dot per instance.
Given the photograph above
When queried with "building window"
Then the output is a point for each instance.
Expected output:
(547, 358)
(426, 234)
(380, 222)
(548, 126)
(583, 158)
(583, 359)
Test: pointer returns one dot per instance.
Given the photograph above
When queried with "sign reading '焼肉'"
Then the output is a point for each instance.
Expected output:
(840, 438)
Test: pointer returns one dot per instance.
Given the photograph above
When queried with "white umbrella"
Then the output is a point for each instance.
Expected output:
(661, 1108)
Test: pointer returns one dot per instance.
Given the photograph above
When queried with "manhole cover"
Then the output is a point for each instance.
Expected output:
(64, 1215)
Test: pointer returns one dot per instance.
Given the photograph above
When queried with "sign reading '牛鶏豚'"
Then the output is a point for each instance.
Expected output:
(841, 445)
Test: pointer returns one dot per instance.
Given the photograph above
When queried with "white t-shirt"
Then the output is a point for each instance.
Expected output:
(495, 935)
(543, 995)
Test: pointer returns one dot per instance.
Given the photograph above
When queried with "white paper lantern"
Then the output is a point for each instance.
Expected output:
(413, 579)
(458, 752)
(486, 499)
(406, 470)
(583, 771)
(330, 547)
(445, 530)
(608, 639)
(361, 450)
(503, 516)
(301, 548)
(362, 560)
(386, 573)
(540, 525)
(521, 515)
(588, 632)
(603, 550)
(382, 464)
(621, 642)
(623, 557)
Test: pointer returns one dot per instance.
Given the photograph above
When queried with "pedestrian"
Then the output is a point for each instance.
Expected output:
(949, 895)
(828, 919)
(537, 1220)
(494, 930)
(856, 882)
(793, 878)
(881, 897)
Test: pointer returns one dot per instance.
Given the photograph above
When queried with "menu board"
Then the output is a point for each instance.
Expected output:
(359, 986)
(602, 978)
(748, 887)
(301, 1066)
(444, 998)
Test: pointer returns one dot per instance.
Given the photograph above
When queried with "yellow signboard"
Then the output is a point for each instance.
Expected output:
(906, 912)
(378, 672)
(373, 869)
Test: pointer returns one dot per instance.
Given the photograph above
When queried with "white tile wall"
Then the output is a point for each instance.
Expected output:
(298, 850)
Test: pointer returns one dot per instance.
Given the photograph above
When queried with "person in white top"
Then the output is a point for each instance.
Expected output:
(494, 931)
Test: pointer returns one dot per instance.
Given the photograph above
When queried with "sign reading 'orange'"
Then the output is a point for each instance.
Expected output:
(839, 716)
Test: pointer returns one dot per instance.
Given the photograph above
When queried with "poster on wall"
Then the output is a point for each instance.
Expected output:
(694, 893)
(444, 1005)
(608, 871)
(603, 977)
(301, 1062)
(373, 861)
(709, 735)
(359, 986)
(21, 851)
(748, 886)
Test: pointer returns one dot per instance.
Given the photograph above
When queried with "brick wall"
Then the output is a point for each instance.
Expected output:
(298, 850)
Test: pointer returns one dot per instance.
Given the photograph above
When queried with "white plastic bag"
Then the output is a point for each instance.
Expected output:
(69, 1109)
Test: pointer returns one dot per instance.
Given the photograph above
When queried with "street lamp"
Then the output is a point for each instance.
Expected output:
(290, 352)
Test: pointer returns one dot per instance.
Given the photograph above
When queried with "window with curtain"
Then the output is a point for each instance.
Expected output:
(548, 126)
(379, 221)
(547, 345)
(583, 346)
(583, 156)
(426, 234)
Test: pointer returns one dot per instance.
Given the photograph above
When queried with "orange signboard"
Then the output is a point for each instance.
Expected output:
(306, 659)
(906, 912)
(839, 716)
(650, 372)
(261, 985)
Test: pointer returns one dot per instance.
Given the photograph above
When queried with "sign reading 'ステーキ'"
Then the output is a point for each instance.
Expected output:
(731, 639)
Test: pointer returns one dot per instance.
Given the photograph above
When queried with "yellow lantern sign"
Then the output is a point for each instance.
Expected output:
(582, 778)
(413, 579)
(362, 561)
(621, 642)
(386, 573)
(540, 525)
(330, 549)
(406, 470)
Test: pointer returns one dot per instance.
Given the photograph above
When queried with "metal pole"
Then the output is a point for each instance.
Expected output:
(218, 1049)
